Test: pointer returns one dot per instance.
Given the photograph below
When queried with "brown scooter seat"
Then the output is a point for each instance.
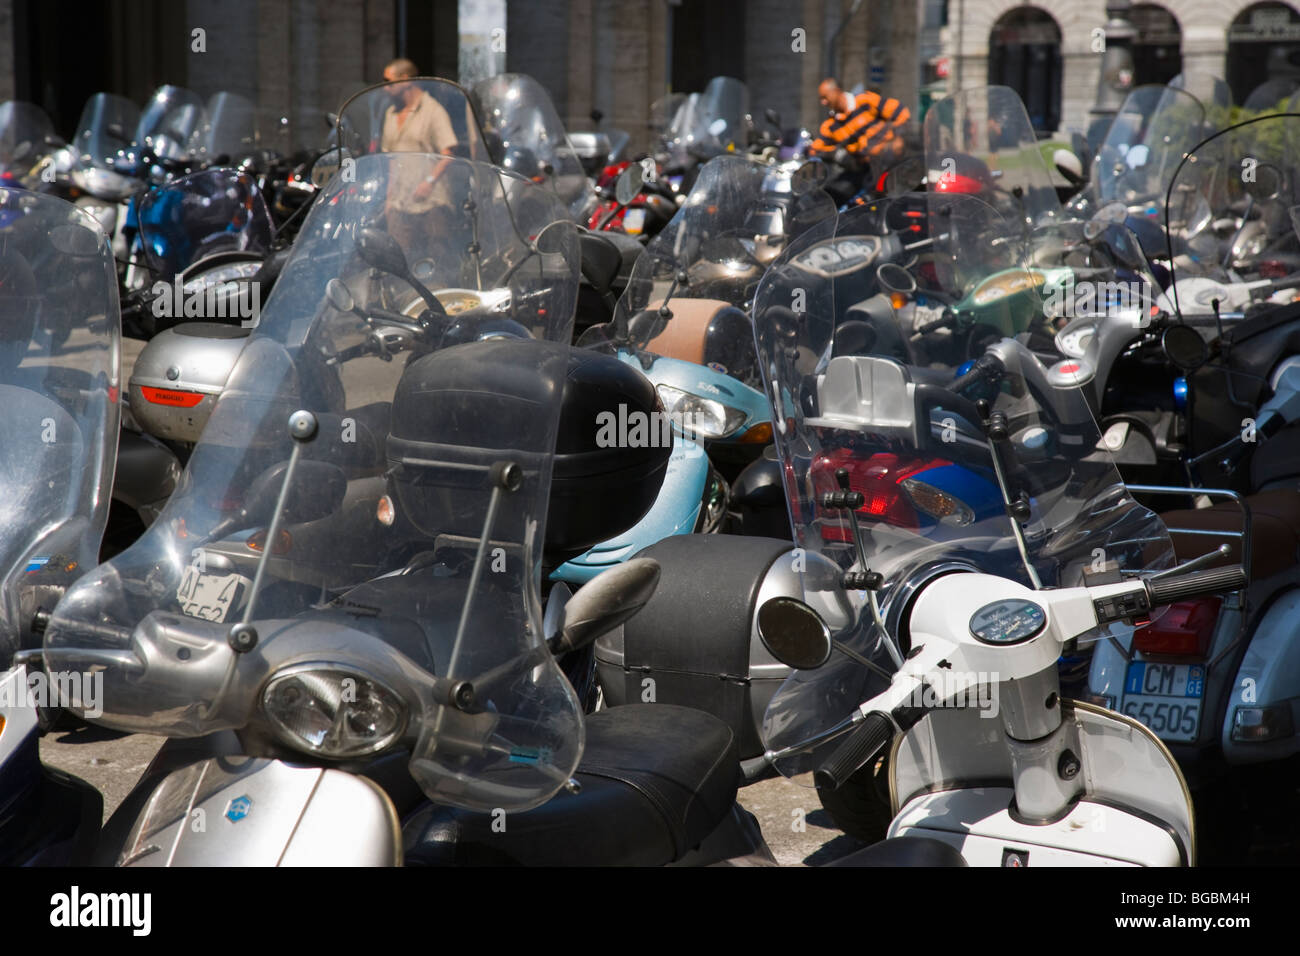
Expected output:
(684, 335)
(1274, 532)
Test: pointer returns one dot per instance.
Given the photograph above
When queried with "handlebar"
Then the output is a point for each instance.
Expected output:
(1196, 584)
(860, 746)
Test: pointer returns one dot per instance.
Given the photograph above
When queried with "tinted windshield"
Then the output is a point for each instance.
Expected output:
(517, 110)
(413, 470)
(172, 124)
(60, 394)
(232, 130)
(917, 451)
(203, 214)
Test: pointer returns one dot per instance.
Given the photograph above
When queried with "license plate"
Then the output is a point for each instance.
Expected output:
(1165, 697)
(634, 221)
(210, 596)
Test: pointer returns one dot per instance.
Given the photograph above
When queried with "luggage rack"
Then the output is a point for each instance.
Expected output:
(1243, 536)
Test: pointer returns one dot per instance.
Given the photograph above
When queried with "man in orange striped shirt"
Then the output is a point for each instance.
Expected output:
(866, 126)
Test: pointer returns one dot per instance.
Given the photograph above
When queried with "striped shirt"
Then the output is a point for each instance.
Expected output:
(868, 128)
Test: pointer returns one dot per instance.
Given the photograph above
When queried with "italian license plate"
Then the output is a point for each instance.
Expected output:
(1165, 697)
(210, 596)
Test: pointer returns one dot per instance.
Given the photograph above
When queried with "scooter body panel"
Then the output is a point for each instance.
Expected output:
(246, 811)
(676, 511)
(1268, 677)
(979, 823)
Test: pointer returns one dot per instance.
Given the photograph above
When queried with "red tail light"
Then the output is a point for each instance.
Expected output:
(955, 183)
(1184, 630)
(878, 478)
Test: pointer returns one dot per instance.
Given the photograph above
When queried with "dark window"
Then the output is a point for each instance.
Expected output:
(1025, 54)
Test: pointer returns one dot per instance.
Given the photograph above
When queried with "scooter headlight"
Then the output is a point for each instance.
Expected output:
(699, 417)
(329, 710)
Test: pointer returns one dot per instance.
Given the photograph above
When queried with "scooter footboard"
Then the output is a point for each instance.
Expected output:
(247, 811)
(980, 823)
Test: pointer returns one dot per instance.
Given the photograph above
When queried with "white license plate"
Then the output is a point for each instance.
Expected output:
(210, 596)
(634, 221)
(1165, 697)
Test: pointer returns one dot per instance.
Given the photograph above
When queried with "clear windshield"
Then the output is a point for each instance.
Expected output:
(517, 110)
(232, 129)
(1206, 87)
(200, 215)
(1230, 206)
(421, 115)
(988, 129)
(172, 123)
(26, 134)
(1153, 130)
(105, 129)
(917, 451)
(408, 546)
(663, 111)
(60, 396)
(737, 217)
(720, 121)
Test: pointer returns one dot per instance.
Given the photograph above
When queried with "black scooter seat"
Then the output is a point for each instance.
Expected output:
(656, 780)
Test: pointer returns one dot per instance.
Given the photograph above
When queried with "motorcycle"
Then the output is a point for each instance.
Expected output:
(983, 754)
(61, 435)
(400, 483)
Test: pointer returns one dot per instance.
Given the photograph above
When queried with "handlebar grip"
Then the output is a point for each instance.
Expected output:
(861, 745)
(985, 367)
(1183, 586)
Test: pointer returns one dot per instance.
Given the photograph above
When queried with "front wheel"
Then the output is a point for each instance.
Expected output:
(860, 807)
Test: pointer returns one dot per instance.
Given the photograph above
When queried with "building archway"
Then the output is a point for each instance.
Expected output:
(1025, 54)
(1158, 46)
(1263, 44)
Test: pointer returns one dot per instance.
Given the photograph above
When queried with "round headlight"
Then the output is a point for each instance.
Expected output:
(331, 711)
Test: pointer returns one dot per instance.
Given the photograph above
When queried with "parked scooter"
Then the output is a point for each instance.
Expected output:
(402, 484)
(986, 756)
(60, 436)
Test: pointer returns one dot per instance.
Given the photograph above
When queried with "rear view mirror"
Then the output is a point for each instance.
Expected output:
(339, 296)
(629, 183)
(1184, 347)
(380, 250)
(794, 633)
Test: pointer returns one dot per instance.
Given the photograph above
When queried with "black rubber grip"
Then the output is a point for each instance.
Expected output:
(860, 746)
(985, 368)
(1196, 584)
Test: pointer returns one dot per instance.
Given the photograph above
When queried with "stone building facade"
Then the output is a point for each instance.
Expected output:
(299, 58)
(1241, 41)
